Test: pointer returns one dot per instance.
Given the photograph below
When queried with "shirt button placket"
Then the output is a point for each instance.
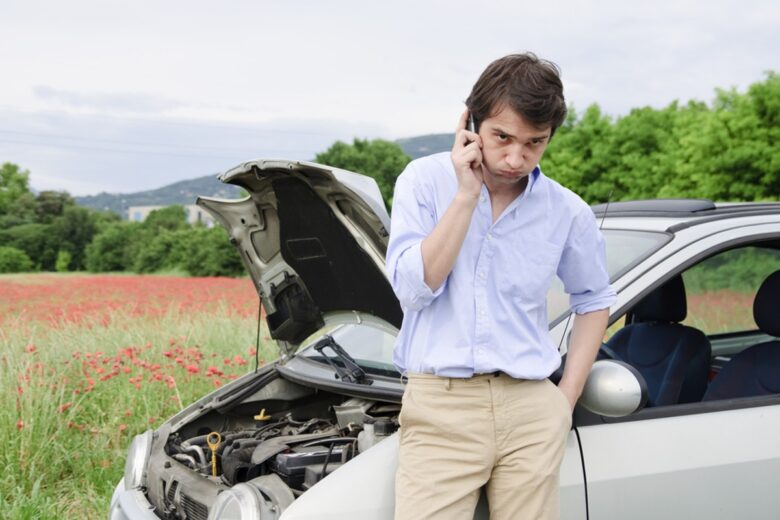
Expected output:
(482, 330)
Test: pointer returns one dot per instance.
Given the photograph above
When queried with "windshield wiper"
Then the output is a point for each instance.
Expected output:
(351, 371)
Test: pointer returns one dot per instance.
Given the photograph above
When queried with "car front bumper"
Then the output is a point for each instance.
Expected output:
(130, 505)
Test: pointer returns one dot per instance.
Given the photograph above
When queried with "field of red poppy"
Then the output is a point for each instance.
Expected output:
(88, 361)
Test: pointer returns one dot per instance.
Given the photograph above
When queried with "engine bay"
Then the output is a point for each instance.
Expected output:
(282, 440)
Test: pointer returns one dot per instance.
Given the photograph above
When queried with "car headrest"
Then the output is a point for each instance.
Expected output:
(666, 303)
(766, 305)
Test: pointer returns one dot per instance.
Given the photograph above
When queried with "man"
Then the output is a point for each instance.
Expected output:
(477, 236)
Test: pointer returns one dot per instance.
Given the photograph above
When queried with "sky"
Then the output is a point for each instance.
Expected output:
(124, 96)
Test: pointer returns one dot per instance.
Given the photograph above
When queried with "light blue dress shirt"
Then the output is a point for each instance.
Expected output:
(490, 313)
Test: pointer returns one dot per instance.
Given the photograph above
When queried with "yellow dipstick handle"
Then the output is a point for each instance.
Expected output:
(262, 416)
(213, 440)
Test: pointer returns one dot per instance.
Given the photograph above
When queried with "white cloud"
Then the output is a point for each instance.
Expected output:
(111, 102)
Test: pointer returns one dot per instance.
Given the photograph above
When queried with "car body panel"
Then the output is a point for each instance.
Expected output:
(365, 488)
(723, 464)
(130, 504)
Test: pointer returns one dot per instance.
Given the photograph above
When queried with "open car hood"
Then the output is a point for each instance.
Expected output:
(313, 238)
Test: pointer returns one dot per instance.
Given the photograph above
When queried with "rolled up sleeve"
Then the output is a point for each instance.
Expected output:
(411, 222)
(583, 267)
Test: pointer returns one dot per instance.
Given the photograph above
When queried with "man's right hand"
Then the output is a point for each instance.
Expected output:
(467, 159)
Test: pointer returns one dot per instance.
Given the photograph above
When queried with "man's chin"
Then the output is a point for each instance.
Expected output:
(509, 178)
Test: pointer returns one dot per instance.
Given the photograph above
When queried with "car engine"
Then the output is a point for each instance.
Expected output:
(282, 449)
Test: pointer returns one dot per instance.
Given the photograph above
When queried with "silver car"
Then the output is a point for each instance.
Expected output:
(680, 417)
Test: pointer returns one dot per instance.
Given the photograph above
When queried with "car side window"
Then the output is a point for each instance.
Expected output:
(720, 290)
(679, 359)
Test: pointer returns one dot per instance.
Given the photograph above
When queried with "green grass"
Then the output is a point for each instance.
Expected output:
(66, 455)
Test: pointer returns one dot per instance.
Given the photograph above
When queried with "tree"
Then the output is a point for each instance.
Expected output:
(13, 260)
(110, 249)
(210, 253)
(169, 218)
(737, 146)
(14, 183)
(52, 204)
(156, 254)
(64, 258)
(38, 241)
(75, 228)
(581, 152)
(642, 145)
(379, 159)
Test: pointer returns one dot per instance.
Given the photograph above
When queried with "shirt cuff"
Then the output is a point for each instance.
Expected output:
(412, 271)
(593, 301)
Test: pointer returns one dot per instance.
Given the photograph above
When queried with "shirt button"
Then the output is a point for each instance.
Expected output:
(481, 275)
(489, 236)
(482, 198)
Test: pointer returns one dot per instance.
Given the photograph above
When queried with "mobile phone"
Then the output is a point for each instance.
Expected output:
(471, 127)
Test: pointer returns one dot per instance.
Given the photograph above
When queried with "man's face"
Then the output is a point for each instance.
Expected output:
(511, 147)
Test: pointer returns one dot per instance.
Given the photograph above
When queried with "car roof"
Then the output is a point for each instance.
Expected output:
(676, 214)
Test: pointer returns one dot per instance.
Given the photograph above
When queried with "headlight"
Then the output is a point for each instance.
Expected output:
(137, 458)
(241, 502)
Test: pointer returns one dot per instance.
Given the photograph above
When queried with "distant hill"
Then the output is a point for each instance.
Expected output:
(181, 192)
(185, 192)
(416, 147)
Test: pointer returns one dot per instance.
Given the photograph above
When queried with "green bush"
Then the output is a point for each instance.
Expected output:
(38, 241)
(64, 259)
(210, 253)
(13, 260)
(739, 270)
(155, 254)
(197, 250)
(106, 252)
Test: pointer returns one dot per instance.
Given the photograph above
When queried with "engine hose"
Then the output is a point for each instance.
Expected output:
(198, 450)
(200, 439)
(237, 445)
(332, 440)
(186, 458)
(227, 441)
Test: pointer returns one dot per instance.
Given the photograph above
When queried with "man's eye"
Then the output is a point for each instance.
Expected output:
(502, 137)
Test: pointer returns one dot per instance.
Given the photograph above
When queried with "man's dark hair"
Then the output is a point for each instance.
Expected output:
(530, 86)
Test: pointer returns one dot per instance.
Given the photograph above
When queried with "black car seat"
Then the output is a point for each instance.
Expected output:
(756, 370)
(674, 359)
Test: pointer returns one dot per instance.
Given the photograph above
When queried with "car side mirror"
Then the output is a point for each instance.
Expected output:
(614, 389)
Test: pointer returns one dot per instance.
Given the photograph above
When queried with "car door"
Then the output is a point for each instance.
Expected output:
(717, 459)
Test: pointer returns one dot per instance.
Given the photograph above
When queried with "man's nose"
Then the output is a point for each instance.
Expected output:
(515, 157)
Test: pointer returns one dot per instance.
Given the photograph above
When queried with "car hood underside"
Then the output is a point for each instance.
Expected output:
(313, 239)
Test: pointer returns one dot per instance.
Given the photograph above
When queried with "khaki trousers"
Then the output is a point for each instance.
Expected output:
(458, 435)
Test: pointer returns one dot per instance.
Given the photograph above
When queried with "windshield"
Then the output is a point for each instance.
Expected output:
(369, 345)
(372, 346)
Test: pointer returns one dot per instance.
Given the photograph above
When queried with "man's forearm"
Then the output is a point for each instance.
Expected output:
(442, 246)
(586, 337)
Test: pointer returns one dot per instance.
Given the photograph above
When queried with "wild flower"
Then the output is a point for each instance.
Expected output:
(116, 326)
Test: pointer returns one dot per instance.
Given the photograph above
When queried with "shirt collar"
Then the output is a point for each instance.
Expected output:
(533, 177)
